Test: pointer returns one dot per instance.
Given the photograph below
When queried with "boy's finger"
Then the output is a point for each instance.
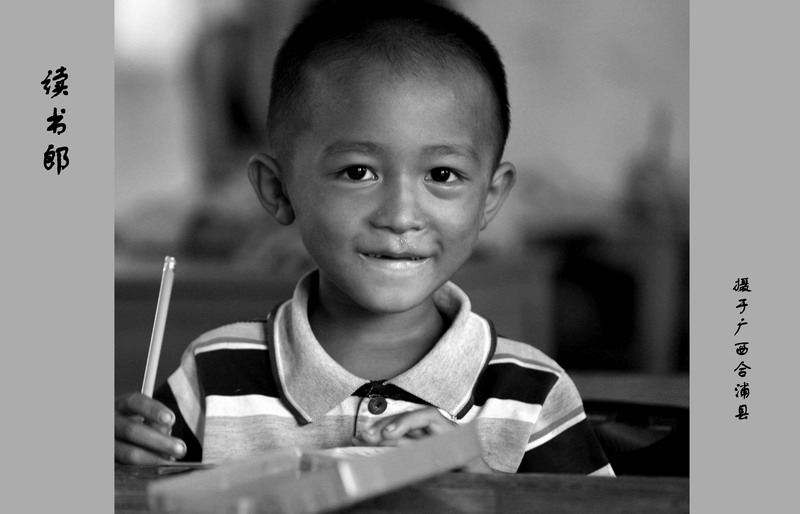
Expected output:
(417, 433)
(161, 428)
(401, 442)
(372, 435)
(415, 424)
(126, 453)
(144, 436)
(139, 404)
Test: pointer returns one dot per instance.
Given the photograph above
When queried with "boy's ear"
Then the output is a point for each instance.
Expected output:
(503, 180)
(264, 174)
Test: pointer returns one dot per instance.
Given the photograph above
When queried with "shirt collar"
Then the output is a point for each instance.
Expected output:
(312, 383)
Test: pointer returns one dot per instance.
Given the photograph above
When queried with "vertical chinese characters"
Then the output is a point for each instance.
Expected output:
(742, 390)
(55, 84)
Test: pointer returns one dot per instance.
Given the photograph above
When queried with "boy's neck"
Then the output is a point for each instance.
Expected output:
(375, 346)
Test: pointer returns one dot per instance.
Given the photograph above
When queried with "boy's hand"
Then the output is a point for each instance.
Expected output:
(403, 429)
(142, 431)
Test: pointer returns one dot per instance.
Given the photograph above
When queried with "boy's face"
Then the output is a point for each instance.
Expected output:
(389, 182)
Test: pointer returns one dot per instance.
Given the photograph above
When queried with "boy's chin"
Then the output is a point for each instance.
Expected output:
(394, 302)
(381, 295)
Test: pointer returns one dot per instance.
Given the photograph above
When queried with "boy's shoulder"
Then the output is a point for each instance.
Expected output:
(518, 363)
(232, 336)
(509, 351)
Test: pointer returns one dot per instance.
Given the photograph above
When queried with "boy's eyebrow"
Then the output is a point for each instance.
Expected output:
(456, 149)
(351, 146)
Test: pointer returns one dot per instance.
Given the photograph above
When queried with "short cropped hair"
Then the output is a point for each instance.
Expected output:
(410, 35)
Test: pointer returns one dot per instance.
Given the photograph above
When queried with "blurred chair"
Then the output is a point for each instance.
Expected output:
(642, 439)
(641, 420)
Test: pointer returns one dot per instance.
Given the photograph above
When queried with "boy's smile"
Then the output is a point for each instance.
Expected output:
(388, 181)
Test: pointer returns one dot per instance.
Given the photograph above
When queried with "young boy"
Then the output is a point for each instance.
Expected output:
(386, 125)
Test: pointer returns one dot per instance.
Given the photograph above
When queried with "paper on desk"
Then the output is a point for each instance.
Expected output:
(355, 451)
(292, 480)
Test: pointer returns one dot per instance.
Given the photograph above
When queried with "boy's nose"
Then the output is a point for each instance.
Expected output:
(399, 209)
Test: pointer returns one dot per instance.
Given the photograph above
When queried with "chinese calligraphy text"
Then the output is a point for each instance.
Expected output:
(55, 84)
(742, 390)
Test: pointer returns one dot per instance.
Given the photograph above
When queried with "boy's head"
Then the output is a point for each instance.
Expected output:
(415, 38)
(387, 156)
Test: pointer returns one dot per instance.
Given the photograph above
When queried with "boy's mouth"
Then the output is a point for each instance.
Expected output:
(395, 262)
(394, 257)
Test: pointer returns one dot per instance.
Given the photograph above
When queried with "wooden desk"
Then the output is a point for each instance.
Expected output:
(464, 492)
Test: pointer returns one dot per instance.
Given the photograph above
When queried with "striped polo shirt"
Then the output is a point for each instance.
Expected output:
(251, 387)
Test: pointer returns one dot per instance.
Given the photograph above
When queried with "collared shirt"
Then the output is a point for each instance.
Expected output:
(251, 387)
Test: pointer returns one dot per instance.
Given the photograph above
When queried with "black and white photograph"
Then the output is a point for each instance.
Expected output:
(399, 256)
(429, 216)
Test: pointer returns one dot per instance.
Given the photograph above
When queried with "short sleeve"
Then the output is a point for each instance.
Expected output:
(562, 440)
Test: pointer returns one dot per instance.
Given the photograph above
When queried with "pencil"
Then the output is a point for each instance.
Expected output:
(158, 326)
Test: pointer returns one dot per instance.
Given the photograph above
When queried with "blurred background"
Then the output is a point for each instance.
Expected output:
(588, 260)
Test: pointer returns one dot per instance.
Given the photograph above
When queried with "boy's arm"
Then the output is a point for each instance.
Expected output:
(562, 440)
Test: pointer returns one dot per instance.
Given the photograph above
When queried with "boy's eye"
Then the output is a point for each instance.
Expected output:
(442, 175)
(359, 173)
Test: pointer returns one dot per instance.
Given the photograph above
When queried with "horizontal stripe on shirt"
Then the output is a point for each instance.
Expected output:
(508, 380)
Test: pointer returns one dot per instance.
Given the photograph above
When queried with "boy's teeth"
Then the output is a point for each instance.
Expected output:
(381, 256)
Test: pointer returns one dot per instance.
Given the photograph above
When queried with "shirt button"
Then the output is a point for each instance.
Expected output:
(377, 405)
